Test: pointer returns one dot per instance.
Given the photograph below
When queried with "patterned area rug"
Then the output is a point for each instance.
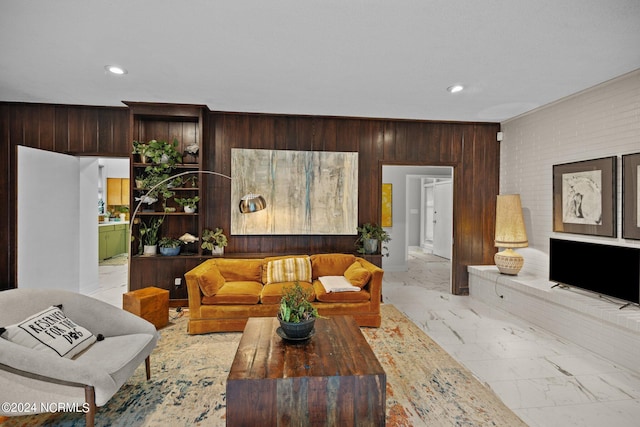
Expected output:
(425, 386)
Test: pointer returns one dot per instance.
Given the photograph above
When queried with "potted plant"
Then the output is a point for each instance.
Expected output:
(188, 203)
(192, 180)
(370, 235)
(141, 149)
(158, 186)
(164, 153)
(149, 235)
(169, 246)
(296, 314)
(215, 240)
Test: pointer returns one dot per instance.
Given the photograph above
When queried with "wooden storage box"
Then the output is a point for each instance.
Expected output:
(152, 304)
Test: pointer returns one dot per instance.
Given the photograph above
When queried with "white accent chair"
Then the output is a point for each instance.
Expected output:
(93, 376)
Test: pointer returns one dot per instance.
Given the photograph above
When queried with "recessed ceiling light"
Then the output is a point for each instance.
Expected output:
(114, 69)
(455, 88)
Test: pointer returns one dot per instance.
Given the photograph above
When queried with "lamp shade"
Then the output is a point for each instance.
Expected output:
(510, 230)
(252, 203)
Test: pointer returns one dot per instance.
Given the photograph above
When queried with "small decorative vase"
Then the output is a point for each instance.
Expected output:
(298, 330)
(217, 250)
(189, 209)
(370, 246)
(150, 250)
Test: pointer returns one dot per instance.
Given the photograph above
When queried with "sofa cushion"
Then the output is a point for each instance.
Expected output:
(234, 270)
(289, 270)
(50, 331)
(330, 264)
(357, 275)
(211, 281)
(238, 292)
(323, 296)
(272, 293)
(267, 260)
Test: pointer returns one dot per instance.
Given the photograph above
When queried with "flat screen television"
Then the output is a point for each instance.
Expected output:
(604, 269)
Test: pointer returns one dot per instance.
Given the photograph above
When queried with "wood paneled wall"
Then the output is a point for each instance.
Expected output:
(60, 128)
(471, 149)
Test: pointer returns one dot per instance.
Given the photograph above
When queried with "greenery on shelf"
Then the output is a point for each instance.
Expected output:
(187, 201)
(192, 180)
(375, 232)
(161, 154)
(294, 305)
(169, 242)
(149, 232)
(213, 238)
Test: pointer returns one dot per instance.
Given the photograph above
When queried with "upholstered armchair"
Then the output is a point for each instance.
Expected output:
(88, 379)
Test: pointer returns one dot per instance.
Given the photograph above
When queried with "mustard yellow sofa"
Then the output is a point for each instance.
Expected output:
(225, 292)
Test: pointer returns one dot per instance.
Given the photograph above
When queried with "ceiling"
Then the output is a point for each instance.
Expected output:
(359, 58)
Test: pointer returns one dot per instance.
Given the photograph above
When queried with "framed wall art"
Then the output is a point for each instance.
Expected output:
(631, 196)
(387, 206)
(307, 192)
(584, 197)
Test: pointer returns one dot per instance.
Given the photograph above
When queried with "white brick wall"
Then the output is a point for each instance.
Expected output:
(600, 122)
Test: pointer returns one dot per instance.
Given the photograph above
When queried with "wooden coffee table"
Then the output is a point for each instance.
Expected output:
(331, 379)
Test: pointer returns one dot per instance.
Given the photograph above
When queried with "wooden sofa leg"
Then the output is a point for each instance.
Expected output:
(90, 398)
(147, 366)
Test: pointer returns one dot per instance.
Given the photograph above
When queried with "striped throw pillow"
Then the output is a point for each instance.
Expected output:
(289, 270)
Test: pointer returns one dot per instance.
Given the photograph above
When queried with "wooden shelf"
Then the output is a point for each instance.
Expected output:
(169, 122)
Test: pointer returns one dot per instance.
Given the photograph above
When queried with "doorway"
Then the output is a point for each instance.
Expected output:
(410, 212)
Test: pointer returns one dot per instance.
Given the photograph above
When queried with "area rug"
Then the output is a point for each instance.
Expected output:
(425, 386)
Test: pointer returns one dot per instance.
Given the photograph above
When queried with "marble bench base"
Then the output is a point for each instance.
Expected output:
(575, 315)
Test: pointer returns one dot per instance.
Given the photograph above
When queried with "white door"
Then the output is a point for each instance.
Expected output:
(443, 214)
(49, 225)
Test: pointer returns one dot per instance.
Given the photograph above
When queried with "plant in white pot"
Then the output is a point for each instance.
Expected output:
(214, 240)
(149, 235)
(189, 204)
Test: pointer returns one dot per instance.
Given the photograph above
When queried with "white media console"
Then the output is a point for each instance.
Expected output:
(578, 316)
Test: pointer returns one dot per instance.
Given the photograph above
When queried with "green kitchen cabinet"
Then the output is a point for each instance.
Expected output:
(112, 240)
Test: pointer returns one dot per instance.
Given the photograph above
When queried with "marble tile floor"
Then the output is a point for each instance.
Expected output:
(113, 283)
(544, 379)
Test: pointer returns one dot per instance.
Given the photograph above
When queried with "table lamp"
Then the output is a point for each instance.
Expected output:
(510, 233)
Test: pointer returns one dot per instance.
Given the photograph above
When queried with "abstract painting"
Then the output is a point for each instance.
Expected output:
(307, 192)
(584, 197)
(387, 213)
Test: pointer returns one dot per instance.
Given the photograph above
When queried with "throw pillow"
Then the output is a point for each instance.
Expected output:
(50, 331)
(289, 270)
(357, 275)
(211, 281)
